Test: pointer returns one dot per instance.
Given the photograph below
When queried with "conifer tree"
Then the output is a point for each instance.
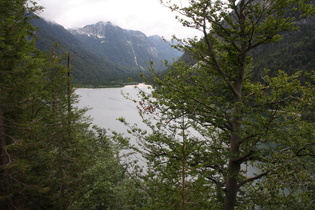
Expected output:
(48, 152)
(19, 79)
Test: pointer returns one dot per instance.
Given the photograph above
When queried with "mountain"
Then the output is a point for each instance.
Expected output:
(88, 67)
(99, 64)
(125, 47)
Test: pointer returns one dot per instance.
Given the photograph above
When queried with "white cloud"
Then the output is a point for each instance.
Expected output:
(148, 16)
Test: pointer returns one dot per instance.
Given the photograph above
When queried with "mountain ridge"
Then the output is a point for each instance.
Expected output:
(127, 53)
(124, 46)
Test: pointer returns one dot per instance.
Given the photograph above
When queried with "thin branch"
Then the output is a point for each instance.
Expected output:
(241, 159)
(252, 179)
(303, 149)
(139, 184)
(216, 182)
(218, 68)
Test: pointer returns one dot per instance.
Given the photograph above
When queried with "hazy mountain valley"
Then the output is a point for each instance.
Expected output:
(105, 54)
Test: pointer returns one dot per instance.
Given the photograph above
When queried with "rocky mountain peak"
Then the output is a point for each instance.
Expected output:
(98, 30)
(126, 47)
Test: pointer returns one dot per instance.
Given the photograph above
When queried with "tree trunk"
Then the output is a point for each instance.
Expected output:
(4, 163)
(183, 177)
(231, 185)
(233, 171)
(234, 165)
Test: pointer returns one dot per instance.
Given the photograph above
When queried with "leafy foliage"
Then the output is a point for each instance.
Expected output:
(249, 135)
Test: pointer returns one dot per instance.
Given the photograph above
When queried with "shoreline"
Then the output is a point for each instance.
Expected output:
(140, 85)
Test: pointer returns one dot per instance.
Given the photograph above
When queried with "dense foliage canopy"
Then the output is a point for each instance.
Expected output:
(223, 140)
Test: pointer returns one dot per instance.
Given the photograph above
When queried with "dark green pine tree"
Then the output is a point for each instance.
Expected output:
(63, 132)
(40, 141)
(49, 156)
(19, 85)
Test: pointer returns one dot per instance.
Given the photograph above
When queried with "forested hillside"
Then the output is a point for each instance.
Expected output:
(88, 68)
(296, 51)
(100, 61)
(126, 47)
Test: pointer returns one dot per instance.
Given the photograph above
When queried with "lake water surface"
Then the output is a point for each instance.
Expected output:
(108, 104)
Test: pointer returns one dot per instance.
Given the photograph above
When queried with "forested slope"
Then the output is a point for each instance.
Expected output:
(296, 51)
(104, 54)
(88, 67)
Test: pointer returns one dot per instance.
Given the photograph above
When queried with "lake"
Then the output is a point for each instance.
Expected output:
(108, 104)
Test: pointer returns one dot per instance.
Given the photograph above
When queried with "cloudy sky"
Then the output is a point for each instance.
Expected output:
(148, 16)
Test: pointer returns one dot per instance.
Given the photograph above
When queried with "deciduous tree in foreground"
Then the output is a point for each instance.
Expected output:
(250, 146)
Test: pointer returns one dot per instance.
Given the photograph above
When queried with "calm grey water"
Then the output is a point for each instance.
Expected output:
(108, 104)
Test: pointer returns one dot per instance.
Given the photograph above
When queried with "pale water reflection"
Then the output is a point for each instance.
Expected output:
(108, 104)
